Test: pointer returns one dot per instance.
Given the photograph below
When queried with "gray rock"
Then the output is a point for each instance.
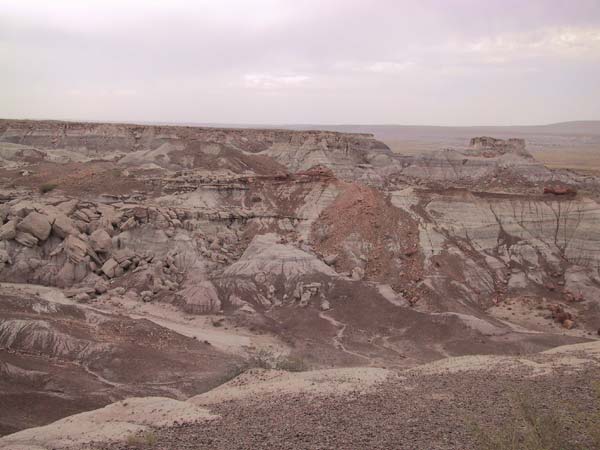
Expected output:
(75, 249)
(330, 259)
(4, 210)
(119, 290)
(123, 255)
(4, 258)
(8, 230)
(358, 273)
(101, 286)
(130, 223)
(63, 226)
(101, 241)
(37, 225)
(68, 207)
(109, 268)
(82, 297)
(80, 215)
(66, 275)
(26, 239)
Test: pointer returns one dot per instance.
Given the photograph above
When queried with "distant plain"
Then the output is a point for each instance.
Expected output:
(567, 145)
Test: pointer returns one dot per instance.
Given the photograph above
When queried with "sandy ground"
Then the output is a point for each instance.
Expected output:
(117, 421)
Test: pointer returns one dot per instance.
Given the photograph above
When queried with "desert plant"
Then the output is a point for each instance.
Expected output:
(531, 428)
(264, 359)
(146, 439)
(291, 364)
(47, 187)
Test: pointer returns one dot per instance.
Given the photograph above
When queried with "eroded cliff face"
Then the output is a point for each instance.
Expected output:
(320, 245)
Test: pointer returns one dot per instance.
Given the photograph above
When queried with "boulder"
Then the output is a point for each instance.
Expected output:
(358, 273)
(63, 226)
(123, 255)
(82, 297)
(101, 286)
(68, 207)
(22, 208)
(80, 215)
(81, 225)
(129, 224)
(101, 241)
(26, 239)
(8, 230)
(4, 258)
(75, 249)
(119, 290)
(37, 225)
(66, 275)
(330, 259)
(4, 211)
(109, 268)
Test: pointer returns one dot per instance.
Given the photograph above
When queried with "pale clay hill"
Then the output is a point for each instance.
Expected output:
(156, 262)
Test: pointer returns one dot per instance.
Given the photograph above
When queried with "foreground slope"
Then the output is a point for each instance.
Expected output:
(440, 405)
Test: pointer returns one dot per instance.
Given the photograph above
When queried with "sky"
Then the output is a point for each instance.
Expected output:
(426, 62)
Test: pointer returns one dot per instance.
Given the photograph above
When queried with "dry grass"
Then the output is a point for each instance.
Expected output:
(264, 359)
(143, 440)
(47, 187)
(560, 427)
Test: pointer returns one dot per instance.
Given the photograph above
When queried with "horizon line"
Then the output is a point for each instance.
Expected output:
(287, 124)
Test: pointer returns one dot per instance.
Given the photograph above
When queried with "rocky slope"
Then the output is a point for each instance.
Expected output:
(450, 404)
(157, 243)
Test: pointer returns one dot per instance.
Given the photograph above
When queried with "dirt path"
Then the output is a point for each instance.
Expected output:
(337, 339)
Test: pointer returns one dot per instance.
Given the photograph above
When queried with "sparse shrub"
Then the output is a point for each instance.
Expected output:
(146, 439)
(264, 359)
(47, 187)
(232, 372)
(531, 428)
(291, 364)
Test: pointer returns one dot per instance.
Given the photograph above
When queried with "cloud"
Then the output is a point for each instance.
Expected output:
(561, 42)
(333, 60)
(267, 81)
(389, 66)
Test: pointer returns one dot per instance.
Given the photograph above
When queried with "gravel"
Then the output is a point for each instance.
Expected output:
(438, 411)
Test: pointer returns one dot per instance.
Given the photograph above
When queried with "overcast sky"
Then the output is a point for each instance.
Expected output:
(433, 62)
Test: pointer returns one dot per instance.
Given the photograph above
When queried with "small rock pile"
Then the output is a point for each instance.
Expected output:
(561, 316)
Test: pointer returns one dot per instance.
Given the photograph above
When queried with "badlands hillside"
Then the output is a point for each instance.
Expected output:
(180, 287)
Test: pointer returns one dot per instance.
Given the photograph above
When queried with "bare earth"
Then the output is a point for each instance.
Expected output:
(191, 287)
